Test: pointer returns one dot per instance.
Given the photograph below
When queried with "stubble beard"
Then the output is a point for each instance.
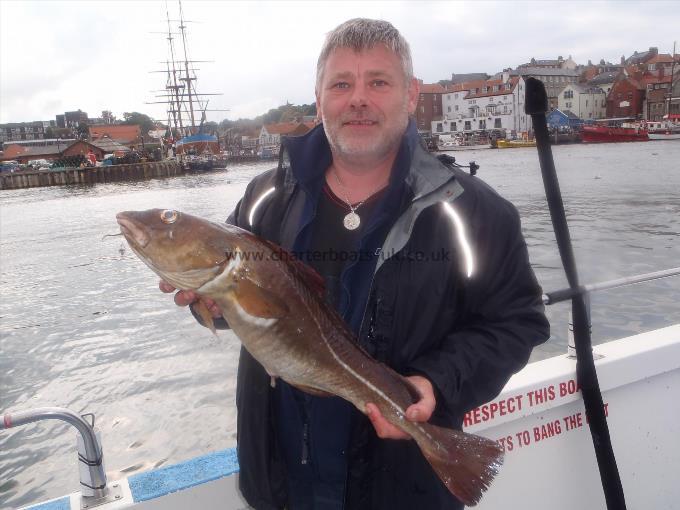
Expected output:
(364, 149)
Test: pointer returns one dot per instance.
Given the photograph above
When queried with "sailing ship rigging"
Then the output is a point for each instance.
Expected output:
(184, 102)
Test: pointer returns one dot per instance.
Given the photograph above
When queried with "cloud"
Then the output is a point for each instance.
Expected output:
(57, 56)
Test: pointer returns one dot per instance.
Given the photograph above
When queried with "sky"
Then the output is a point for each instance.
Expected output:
(58, 56)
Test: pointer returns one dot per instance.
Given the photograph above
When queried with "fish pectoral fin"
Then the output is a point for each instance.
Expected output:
(205, 315)
(258, 301)
(310, 390)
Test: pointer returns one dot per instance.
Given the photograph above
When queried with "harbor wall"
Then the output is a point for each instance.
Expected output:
(90, 175)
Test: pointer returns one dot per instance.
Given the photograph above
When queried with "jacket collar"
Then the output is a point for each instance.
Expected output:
(309, 156)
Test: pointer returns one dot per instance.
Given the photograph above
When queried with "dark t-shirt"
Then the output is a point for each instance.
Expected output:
(313, 434)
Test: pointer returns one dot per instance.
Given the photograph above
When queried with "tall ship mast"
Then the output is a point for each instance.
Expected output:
(186, 107)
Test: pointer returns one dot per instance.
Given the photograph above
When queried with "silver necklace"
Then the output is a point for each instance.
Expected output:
(352, 220)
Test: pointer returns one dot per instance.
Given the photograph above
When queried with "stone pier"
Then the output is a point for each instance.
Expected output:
(90, 175)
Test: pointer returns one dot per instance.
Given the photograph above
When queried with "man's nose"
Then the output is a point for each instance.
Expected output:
(358, 99)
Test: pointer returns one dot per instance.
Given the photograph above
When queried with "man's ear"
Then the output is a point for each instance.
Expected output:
(413, 91)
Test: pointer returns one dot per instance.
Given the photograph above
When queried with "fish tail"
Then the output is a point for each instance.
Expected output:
(466, 463)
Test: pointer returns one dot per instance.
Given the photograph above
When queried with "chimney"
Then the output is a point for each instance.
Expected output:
(623, 60)
(506, 76)
(654, 50)
(590, 63)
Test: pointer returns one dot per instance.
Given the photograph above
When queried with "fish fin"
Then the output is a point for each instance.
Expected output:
(205, 315)
(311, 391)
(465, 463)
(258, 301)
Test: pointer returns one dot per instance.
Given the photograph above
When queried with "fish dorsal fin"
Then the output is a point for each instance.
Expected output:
(307, 274)
(258, 301)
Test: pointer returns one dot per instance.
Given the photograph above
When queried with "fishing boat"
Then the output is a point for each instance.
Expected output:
(514, 144)
(663, 130)
(614, 130)
(538, 419)
(464, 141)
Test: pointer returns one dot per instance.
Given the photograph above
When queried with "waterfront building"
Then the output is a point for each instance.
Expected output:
(625, 98)
(484, 105)
(16, 131)
(559, 63)
(658, 95)
(554, 79)
(270, 134)
(429, 106)
(557, 119)
(606, 80)
(71, 119)
(25, 152)
(124, 134)
(587, 103)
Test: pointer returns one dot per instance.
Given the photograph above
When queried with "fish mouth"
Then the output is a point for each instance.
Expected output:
(132, 231)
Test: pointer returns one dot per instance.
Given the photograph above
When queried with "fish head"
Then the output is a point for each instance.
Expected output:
(184, 250)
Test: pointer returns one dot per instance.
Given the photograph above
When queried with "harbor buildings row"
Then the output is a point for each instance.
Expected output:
(644, 86)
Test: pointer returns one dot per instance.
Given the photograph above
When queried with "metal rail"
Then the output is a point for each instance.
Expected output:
(93, 452)
(550, 298)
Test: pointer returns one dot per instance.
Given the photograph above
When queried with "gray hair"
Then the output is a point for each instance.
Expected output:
(360, 34)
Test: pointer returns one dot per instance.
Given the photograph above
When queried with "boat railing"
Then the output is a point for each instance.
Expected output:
(551, 298)
(94, 490)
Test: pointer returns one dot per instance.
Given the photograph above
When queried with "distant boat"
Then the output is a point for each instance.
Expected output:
(514, 144)
(664, 130)
(614, 130)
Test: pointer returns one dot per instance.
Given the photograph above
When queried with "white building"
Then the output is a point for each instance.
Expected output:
(484, 105)
(584, 102)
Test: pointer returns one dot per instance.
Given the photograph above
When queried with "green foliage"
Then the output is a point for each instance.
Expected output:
(143, 121)
(284, 113)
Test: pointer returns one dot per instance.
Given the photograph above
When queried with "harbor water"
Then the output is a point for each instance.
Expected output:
(83, 325)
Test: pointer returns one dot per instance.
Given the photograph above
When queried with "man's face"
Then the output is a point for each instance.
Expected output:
(364, 102)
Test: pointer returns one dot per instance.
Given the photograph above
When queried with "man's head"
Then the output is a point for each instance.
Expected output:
(365, 89)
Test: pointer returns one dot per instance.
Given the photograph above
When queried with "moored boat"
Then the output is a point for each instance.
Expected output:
(514, 144)
(663, 130)
(614, 130)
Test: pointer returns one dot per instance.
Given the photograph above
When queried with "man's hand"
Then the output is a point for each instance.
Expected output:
(186, 297)
(420, 411)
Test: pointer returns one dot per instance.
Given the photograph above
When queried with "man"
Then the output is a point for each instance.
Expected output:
(426, 264)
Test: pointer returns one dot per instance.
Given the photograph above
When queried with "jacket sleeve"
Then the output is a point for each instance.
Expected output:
(501, 320)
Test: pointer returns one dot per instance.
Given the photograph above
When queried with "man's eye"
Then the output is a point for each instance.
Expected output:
(378, 83)
(341, 85)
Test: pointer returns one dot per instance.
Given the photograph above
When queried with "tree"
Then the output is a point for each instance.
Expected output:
(143, 121)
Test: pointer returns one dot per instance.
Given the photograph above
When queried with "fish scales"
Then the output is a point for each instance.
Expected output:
(276, 307)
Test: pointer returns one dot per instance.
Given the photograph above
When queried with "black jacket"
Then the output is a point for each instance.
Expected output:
(453, 299)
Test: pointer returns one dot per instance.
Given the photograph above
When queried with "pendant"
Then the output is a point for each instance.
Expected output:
(351, 221)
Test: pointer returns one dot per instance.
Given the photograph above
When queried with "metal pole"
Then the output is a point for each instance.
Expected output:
(550, 298)
(92, 449)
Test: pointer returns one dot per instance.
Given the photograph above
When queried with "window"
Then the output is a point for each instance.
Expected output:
(482, 124)
(454, 127)
(497, 123)
(455, 96)
(448, 109)
(468, 127)
(505, 108)
(422, 109)
(439, 127)
(586, 103)
(455, 108)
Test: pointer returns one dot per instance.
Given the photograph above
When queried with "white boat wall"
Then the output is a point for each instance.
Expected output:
(538, 418)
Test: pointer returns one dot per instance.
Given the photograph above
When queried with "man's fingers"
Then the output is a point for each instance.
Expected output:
(185, 297)
(383, 428)
(165, 287)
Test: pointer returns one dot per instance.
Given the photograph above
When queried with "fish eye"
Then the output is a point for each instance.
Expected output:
(169, 216)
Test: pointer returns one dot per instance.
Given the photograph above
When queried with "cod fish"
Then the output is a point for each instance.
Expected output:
(276, 307)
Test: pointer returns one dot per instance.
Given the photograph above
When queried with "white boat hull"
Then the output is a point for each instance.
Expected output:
(538, 418)
(664, 136)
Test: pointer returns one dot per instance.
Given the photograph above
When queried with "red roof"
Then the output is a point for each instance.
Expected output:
(287, 128)
(490, 92)
(431, 88)
(118, 132)
(662, 57)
